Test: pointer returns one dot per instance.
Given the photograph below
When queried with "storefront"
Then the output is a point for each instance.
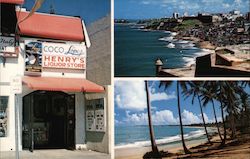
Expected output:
(57, 106)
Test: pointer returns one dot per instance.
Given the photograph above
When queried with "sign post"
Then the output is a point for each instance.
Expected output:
(16, 88)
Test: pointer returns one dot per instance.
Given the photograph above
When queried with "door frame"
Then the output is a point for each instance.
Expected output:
(69, 130)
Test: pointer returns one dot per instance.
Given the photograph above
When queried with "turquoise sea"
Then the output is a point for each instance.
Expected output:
(136, 50)
(138, 136)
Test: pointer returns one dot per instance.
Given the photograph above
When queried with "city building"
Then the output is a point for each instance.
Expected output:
(44, 90)
(175, 15)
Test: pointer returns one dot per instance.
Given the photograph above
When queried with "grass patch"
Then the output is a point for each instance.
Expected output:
(188, 24)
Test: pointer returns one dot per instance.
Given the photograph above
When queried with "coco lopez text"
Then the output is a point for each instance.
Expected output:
(70, 62)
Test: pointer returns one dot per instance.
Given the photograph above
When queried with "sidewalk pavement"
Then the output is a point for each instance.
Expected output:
(55, 154)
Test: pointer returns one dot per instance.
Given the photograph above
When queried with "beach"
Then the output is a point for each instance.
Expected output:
(239, 149)
(137, 153)
(194, 135)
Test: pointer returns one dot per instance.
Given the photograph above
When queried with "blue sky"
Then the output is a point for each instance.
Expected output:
(89, 10)
(130, 105)
(144, 9)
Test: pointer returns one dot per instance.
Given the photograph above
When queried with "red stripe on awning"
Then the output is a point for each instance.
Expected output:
(12, 1)
(51, 26)
(62, 84)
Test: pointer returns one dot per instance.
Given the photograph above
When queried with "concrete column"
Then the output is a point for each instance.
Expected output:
(158, 66)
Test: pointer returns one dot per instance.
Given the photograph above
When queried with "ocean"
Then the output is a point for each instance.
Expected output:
(138, 136)
(136, 50)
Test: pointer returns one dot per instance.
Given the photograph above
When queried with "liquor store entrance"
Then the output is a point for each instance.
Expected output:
(48, 120)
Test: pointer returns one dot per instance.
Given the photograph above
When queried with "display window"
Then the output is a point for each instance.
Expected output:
(3, 115)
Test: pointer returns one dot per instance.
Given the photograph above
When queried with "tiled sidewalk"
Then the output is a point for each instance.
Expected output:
(55, 154)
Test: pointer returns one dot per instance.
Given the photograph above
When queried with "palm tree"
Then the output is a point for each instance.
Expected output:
(155, 151)
(229, 94)
(230, 103)
(167, 84)
(220, 93)
(244, 116)
(241, 103)
(244, 96)
(195, 90)
(245, 101)
(208, 96)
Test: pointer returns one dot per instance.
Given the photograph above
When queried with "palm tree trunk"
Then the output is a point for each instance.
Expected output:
(181, 127)
(217, 125)
(151, 130)
(232, 123)
(223, 121)
(203, 119)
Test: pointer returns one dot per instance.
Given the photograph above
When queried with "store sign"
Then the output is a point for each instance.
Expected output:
(33, 56)
(70, 56)
(7, 46)
(16, 84)
(54, 55)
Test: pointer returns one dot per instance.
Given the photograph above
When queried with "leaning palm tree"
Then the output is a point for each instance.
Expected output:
(220, 95)
(230, 98)
(245, 103)
(194, 89)
(231, 103)
(155, 152)
(208, 95)
(240, 97)
(167, 84)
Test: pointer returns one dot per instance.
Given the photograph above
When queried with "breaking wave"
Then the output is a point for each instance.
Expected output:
(167, 140)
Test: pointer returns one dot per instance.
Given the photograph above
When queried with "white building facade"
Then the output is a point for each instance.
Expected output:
(57, 105)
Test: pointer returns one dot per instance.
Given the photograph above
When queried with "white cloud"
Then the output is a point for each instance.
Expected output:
(188, 117)
(204, 5)
(237, 2)
(136, 118)
(169, 1)
(191, 118)
(162, 96)
(145, 2)
(131, 95)
(165, 117)
(205, 118)
(219, 119)
(117, 122)
(226, 5)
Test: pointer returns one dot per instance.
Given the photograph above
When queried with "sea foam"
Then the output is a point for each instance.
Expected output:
(171, 45)
(166, 140)
(191, 60)
(167, 38)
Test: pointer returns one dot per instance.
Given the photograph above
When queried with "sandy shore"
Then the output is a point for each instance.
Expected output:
(239, 149)
(137, 153)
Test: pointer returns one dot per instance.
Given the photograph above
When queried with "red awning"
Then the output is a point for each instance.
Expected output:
(62, 84)
(51, 26)
(12, 1)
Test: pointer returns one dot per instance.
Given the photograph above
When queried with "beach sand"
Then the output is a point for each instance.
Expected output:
(137, 153)
(239, 149)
